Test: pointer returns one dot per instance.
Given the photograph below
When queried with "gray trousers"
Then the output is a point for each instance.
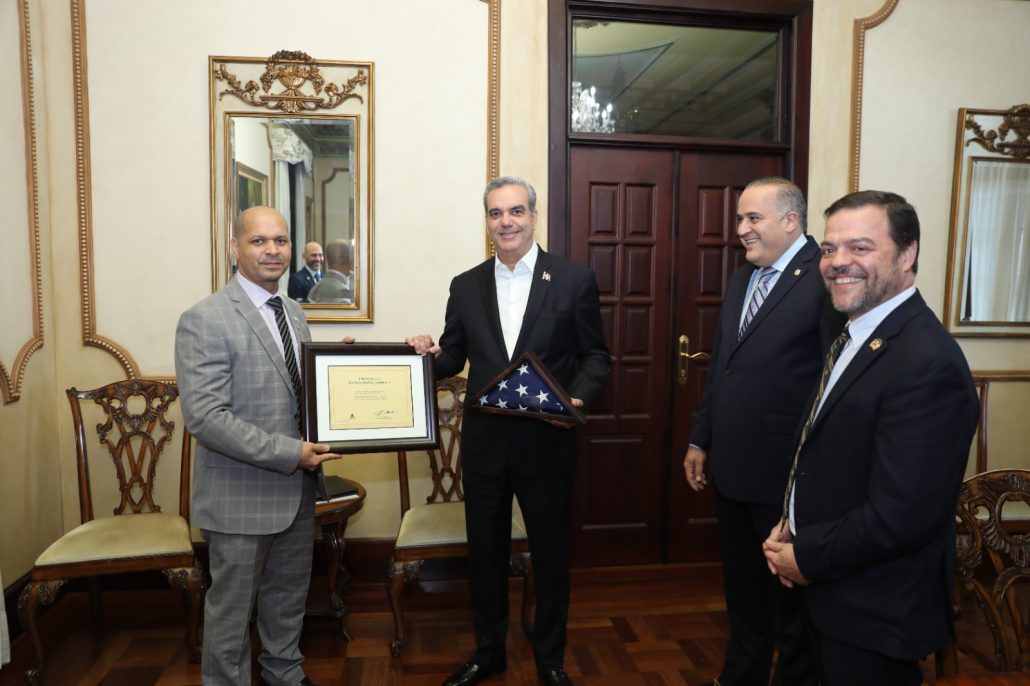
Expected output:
(274, 568)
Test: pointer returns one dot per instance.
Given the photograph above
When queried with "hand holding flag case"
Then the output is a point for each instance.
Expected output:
(526, 389)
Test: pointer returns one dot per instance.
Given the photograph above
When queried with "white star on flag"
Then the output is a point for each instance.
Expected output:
(482, 400)
(542, 397)
(503, 385)
(522, 390)
(524, 369)
(502, 403)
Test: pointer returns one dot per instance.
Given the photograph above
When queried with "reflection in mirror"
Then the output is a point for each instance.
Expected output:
(988, 291)
(309, 162)
(313, 166)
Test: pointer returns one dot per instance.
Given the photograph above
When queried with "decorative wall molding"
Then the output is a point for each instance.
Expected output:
(10, 382)
(292, 69)
(83, 190)
(493, 99)
(1016, 121)
(857, 74)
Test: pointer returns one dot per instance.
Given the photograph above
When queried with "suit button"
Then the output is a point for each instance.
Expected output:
(728, 372)
(802, 473)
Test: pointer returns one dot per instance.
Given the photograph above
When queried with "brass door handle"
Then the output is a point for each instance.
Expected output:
(685, 356)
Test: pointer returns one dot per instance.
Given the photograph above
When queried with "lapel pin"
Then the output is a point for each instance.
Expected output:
(546, 276)
(797, 272)
(875, 344)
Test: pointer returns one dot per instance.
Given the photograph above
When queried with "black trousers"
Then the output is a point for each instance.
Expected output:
(843, 664)
(546, 504)
(763, 613)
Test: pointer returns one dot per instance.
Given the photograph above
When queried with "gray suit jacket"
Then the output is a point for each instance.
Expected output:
(238, 401)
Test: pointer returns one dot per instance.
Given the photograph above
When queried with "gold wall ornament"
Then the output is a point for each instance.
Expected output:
(293, 69)
(10, 382)
(1016, 120)
(857, 83)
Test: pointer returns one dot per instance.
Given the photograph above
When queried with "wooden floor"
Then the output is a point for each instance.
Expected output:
(659, 625)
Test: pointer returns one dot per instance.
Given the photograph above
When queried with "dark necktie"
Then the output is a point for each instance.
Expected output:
(318, 276)
(757, 298)
(276, 304)
(831, 359)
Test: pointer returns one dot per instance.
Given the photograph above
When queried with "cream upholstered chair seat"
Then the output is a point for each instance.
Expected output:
(132, 433)
(435, 524)
(150, 534)
(436, 528)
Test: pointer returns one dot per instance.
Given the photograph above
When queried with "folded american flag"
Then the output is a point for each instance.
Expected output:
(526, 388)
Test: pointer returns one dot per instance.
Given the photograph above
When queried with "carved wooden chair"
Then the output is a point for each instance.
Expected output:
(134, 430)
(436, 528)
(994, 558)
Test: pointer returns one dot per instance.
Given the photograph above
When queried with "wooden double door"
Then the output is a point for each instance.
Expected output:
(658, 226)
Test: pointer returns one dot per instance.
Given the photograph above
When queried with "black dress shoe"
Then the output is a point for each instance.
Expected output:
(555, 676)
(473, 672)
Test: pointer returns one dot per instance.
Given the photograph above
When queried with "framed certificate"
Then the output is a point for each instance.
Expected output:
(368, 397)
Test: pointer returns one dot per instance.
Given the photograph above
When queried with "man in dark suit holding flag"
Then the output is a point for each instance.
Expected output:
(522, 300)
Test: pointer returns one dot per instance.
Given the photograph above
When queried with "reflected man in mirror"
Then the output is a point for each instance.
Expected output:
(254, 484)
(869, 515)
(775, 326)
(336, 285)
(522, 300)
(305, 278)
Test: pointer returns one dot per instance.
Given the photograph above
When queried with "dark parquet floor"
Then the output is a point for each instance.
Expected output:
(648, 626)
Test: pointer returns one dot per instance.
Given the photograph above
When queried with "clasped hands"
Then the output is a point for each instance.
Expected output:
(778, 549)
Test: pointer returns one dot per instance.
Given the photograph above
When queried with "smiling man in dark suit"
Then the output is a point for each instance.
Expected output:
(776, 323)
(870, 525)
(305, 278)
(522, 300)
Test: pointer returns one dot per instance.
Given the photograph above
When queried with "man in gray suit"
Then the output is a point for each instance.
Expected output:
(254, 483)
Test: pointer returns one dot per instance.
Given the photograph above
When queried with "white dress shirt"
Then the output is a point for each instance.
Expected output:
(260, 297)
(512, 287)
(779, 265)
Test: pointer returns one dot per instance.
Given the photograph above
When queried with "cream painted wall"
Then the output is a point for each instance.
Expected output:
(928, 59)
(151, 213)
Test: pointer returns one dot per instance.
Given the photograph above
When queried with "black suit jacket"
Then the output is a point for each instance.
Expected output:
(758, 387)
(300, 284)
(877, 484)
(562, 326)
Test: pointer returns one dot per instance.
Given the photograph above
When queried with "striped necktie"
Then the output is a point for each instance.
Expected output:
(290, 356)
(757, 298)
(831, 359)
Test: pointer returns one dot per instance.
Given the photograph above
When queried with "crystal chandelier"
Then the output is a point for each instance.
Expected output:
(587, 114)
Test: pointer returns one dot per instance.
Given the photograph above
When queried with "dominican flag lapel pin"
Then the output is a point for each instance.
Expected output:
(546, 276)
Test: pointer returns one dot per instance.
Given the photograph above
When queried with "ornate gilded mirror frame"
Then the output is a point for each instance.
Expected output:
(300, 131)
(987, 289)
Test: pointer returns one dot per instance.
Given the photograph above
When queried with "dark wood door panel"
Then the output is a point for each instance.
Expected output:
(621, 218)
(706, 254)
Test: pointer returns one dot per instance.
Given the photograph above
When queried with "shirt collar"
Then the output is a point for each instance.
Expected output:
(788, 254)
(529, 259)
(862, 327)
(258, 295)
(310, 270)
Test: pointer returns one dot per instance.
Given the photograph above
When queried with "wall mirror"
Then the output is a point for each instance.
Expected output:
(295, 133)
(988, 278)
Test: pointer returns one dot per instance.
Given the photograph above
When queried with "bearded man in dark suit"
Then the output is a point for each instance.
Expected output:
(774, 328)
(522, 300)
(870, 518)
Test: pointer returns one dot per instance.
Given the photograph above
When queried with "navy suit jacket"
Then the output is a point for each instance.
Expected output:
(300, 284)
(562, 326)
(758, 387)
(877, 484)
